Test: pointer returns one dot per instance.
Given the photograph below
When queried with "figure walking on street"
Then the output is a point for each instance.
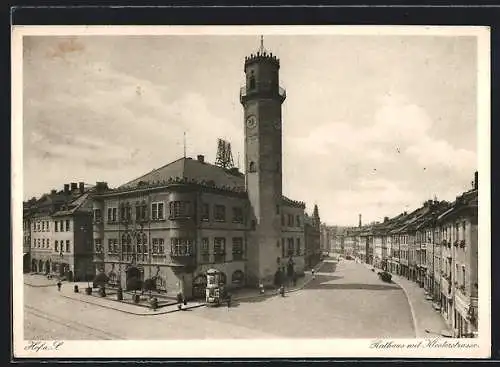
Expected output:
(59, 285)
(313, 275)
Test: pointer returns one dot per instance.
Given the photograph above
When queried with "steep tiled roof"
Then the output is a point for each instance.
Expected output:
(191, 169)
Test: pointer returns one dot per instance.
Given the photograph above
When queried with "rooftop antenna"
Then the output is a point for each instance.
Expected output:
(184, 144)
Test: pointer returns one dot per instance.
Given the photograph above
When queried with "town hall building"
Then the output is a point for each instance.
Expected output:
(172, 224)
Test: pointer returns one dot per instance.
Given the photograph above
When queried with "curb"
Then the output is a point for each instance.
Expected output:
(134, 313)
(40, 286)
(412, 310)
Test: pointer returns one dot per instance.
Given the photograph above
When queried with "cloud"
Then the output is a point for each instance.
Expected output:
(93, 117)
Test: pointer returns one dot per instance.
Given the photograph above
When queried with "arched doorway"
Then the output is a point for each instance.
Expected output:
(238, 279)
(199, 286)
(40, 266)
(134, 281)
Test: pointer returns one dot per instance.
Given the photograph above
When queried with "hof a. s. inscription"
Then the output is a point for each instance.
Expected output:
(434, 343)
(37, 346)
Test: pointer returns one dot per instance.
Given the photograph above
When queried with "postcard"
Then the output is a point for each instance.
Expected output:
(249, 191)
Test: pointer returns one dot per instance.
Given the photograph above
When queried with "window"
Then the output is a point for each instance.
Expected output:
(56, 246)
(220, 213)
(219, 249)
(158, 246)
(111, 247)
(290, 247)
(277, 209)
(158, 210)
(251, 167)
(67, 245)
(298, 220)
(43, 242)
(299, 251)
(112, 212)
(181, 247)
(205, 252)
(205, 212)
(122, 212)
(237, 248)
(67, 225)
(38, 226)
(98, 245)
(237, 215)
(43, 226)
(61, 225)
(180, 209)
(97, 216)
(290, 220)
(252, 81)
(48, 243)
(282, 247)
(463, 276)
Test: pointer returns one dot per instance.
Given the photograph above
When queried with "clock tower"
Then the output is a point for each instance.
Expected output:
(262, 98)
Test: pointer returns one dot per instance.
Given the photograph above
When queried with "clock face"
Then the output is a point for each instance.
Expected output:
(251, 122)
(277, 124)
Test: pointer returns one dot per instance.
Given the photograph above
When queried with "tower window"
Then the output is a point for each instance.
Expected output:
(252, 167)
(252, 81)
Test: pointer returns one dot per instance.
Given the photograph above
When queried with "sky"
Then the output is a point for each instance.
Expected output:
(372, 125)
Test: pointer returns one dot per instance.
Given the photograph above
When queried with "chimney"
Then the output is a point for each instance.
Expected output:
(81, 187)
(475, 180)
(360, 220)
(386, 219)
(101, 186)
(53, 192)
(66, 188)
(74, 186)
(201, 158)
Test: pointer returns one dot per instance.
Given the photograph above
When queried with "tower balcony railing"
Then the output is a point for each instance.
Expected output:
(244, 93)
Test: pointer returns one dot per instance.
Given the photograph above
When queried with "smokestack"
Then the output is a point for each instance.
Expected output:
(201, 158)
(360, 220)
(66, 188)
(81, 187)
(475, 180)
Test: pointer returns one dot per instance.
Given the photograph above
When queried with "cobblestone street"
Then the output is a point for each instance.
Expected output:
(349, 303)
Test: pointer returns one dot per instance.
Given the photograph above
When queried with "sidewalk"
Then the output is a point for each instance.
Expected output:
(110, 302)
(39, 280)
(424, 315)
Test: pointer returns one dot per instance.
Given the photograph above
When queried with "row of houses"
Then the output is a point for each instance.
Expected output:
(435, 246)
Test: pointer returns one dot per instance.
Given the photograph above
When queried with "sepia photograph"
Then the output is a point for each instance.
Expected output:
(311, 190)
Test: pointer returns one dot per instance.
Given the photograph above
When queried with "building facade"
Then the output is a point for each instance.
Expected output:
(61, 233)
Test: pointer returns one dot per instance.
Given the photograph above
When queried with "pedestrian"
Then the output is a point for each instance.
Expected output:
(59, 285)
(313, 275)
(229, 300)
(261, 287)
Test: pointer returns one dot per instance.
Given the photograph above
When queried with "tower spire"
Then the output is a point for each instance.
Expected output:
(261, 44)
